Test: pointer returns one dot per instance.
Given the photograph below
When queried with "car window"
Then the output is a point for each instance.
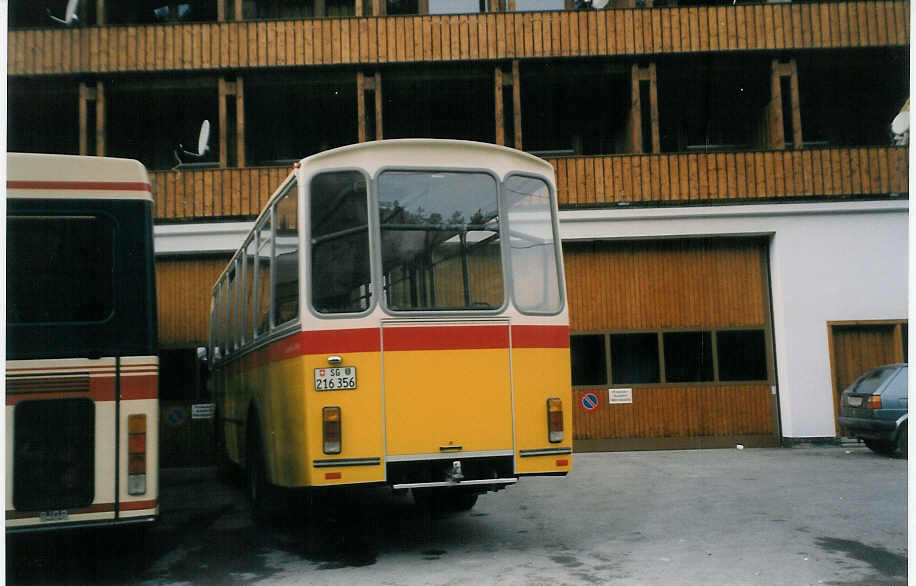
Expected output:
(897, 387)
(869, 382)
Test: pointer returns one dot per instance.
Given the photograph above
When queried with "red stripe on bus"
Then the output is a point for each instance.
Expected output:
(540, 336)
(100, 389)
(139, 387)
(82, 185)
(447, 338)
(329, 341)
(138, 505)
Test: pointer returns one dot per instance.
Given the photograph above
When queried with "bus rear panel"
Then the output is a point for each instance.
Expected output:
(82, 411)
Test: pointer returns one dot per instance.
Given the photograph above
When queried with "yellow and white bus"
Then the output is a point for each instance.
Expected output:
(82, 406)
(397, 315)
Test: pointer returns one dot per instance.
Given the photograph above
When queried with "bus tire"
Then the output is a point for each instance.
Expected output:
(256, 485)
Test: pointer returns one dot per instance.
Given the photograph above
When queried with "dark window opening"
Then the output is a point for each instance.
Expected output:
(181, 376)
(588, 359)
(785, 90)
(717, 106)
(395, 7)
(52, 255)
(149, 123)
(634, 358)
(453, 103)
(574, 108)
(840, 106)
(742, 355)
(645, 110)
(688, 356)
(43, 118)
(53, 454)
(159, 11)
(287, 119)
(31, 14)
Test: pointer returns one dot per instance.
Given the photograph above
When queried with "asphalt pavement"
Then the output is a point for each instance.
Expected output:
(804, 515)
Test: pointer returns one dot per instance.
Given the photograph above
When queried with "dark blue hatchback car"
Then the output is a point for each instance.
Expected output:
(874, 409)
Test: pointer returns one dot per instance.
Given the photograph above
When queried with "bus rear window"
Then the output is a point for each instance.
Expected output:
(440, 241)
(59, 269)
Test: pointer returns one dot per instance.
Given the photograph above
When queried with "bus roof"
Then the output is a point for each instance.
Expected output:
(428, 152)
(75, 177)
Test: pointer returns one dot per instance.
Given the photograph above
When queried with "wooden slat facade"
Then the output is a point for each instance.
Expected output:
(183, 288)
(715, 283)
(654, 286)
(599, 181)
(467, 37)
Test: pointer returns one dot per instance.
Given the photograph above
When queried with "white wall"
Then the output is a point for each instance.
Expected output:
(828, 262)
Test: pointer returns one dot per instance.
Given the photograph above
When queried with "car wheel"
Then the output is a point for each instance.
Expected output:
(881, 446)
(902, 441)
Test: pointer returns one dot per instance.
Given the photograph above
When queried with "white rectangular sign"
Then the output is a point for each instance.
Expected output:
(619, 396)
(202, 411)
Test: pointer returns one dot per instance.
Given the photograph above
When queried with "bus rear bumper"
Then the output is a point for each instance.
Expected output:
(107, 523)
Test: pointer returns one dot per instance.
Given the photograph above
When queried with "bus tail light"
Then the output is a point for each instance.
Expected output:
(554, 420)
(331, 429)
(136, 454)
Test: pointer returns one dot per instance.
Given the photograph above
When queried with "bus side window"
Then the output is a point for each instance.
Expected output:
(249, 310)
(231, 311)
(262, 278)
(216, 323)
(339, 222)
(286, 289)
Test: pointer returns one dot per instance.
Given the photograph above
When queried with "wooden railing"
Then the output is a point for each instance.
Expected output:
(702, 177)
(406, 39)
(598, 181)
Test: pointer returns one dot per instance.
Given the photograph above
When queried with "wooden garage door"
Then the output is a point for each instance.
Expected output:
(183, 290)
(858, 346)
(678, 333)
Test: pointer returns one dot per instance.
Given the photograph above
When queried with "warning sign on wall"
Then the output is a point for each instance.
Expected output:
(619, 396)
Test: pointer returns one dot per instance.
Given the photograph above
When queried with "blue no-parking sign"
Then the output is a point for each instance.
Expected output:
(589, 400)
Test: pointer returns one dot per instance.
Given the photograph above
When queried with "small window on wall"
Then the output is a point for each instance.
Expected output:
(634, 358)
(742, 355)
(688, 357)
(589, 366)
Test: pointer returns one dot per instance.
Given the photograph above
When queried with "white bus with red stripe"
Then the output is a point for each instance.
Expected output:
(397, 316)
(82, 406)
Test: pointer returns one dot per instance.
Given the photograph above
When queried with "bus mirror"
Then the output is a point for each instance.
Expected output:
(202, 354)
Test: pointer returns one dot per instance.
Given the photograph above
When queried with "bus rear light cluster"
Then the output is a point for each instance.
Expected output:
(331, 432)
(554, 420)
(136, 454)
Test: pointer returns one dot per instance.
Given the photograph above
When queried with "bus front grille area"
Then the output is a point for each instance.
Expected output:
(53, 454)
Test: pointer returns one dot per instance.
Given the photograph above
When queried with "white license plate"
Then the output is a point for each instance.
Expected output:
(54, 515)
(854, 401)
(335, 378)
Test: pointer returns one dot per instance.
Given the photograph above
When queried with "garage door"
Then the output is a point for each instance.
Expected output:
(671, 344)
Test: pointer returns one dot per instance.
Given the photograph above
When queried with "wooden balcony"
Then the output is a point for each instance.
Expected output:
(677, 178)
(411, 39)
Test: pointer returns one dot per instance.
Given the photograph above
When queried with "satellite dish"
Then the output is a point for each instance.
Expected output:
(901, 122)
(203, 145)
(70, 17)
(599, 4)
(203, 140)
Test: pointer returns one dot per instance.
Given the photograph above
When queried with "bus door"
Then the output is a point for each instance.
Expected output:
(447, 389)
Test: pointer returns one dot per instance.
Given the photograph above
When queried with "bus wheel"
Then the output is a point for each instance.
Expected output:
(256, 485)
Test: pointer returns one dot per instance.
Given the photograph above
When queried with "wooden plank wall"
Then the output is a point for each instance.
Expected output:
(424, 38)
(597, 181)
(701, 283)
(691, 177)
(208, 193)
(680, 411)
(860, 347)
(183, 294)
